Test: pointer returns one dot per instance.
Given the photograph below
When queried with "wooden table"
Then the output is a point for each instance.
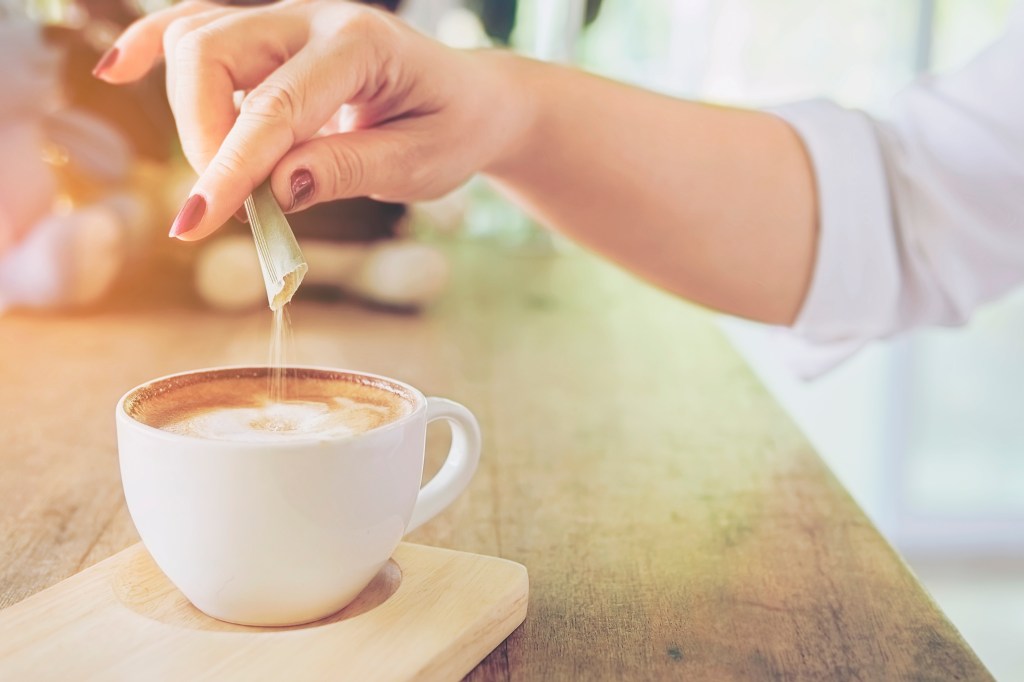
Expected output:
(674, 521)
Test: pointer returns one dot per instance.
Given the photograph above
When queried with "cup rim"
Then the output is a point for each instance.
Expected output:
(129, 421)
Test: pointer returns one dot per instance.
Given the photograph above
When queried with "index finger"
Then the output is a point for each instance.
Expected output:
(136, 50)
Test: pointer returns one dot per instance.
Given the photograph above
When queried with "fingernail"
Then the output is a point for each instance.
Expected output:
(106, 61)
(302, 187)
(189, 216)
(241, 216)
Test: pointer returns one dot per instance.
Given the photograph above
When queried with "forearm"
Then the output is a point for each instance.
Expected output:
(714, 204)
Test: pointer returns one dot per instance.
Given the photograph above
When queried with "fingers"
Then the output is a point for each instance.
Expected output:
(142, 45)
(137, 49)
(287, 108)
(210, 56)
(302, 63)
(213, 51)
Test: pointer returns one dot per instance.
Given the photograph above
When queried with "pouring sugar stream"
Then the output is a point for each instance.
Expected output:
(283, 269)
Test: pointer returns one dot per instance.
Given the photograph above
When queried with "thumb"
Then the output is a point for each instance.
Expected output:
(385, 163)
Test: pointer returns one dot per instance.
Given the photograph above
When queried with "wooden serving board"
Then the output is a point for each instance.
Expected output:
(430, 614)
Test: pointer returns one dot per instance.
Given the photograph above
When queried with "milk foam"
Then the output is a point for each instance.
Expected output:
(278, 421)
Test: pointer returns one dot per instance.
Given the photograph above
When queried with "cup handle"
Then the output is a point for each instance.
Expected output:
(458, 468)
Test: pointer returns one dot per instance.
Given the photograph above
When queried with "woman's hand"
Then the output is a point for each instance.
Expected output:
(342, 100)
(715, 204)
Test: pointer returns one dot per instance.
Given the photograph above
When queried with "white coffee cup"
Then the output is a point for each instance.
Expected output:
(282, 533)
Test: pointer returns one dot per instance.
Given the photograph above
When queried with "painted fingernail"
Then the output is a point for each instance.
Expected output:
(302, 187)
(106, 61)
(189, 216)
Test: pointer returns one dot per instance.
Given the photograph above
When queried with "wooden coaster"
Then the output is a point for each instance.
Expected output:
(430, 614)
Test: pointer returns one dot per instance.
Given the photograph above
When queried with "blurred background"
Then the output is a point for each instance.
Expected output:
(926, 431)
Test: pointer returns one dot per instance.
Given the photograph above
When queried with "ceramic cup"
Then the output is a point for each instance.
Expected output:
(288, 532)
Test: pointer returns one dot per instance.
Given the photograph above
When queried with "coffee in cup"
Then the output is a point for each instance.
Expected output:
(238, 407)
(280, 512)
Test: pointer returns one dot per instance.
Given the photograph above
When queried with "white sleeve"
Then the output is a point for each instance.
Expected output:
(921, 215)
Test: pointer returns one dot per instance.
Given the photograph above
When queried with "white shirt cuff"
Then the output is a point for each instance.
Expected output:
(852, 295)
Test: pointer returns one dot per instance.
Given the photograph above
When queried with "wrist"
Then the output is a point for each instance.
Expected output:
(513, 103)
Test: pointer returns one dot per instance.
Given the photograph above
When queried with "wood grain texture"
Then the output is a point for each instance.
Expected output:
(431, 614)
(674, 521)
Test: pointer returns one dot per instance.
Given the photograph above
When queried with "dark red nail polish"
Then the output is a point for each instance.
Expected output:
(302, 187)
(106, 61)
(189, 216)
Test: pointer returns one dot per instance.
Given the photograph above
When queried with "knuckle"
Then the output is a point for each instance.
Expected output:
(194, 153)
(361, 20)
(199, 149)
(367, 24)
(270, 104)
(193, 41)
(173, 33)
(231, 165)
(180, 27)
(348, 171)
(368, 44)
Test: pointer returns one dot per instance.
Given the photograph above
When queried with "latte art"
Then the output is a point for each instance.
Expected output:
(283, 421)
(234, 405)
